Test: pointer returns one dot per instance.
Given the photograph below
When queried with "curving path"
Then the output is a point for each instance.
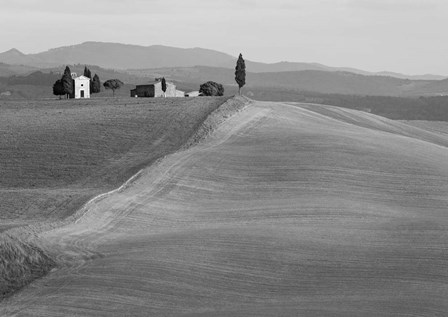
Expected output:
(286, 210)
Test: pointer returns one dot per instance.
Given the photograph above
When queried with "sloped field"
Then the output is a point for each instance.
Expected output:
(57, 154)
(286, 210)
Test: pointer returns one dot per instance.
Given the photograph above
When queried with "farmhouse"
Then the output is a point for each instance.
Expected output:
(154, 90)
(81, 86)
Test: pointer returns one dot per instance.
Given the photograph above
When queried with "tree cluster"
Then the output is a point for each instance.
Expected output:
(64, 86)
(211, 88)
(95, 83)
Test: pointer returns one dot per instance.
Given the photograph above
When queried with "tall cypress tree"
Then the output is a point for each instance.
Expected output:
(67, 82)
(240, 73)
(164, 86)
(96, 85)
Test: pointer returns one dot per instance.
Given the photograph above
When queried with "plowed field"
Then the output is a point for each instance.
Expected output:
(286, 210)
(57, 154)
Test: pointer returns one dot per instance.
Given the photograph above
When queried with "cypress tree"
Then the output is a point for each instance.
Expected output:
(67, 82)
(164, 86)
(88, 74)
(96, 84)
(240, 73)
(58, 88)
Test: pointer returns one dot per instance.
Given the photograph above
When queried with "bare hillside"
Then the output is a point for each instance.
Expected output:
(285, 210)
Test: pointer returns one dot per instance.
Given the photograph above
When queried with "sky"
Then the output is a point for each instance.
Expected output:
(405, 36)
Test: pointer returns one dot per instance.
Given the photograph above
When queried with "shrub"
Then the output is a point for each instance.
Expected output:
(211, 88)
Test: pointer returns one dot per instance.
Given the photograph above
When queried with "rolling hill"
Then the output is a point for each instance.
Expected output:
(10, 70)
(57, 154)
(285, 210)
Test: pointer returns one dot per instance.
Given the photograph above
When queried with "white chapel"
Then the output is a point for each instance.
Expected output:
(81, 86)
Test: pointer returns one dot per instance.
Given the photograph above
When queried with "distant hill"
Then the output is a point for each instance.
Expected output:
(123, 56)
(10, 70)
(335, 82)
(37, 78)
(119, 56)
(290, 66)
(437, 88)
(414, 77)
(15, 57)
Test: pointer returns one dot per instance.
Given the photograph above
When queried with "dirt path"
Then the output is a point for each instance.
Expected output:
(285, 210)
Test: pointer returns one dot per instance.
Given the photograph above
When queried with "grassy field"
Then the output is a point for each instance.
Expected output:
(56, 154)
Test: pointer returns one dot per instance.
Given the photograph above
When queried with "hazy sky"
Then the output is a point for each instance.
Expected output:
(407, 36)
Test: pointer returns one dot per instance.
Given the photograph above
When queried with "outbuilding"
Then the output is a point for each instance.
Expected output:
(193, 94)
(154, 89)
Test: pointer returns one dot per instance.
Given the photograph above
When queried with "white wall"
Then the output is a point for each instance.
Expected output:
(82, 85)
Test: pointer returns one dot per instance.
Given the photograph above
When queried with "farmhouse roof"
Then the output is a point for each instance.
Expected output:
(154, 83)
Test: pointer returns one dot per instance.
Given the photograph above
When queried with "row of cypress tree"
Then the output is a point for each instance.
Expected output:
(65, 86)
